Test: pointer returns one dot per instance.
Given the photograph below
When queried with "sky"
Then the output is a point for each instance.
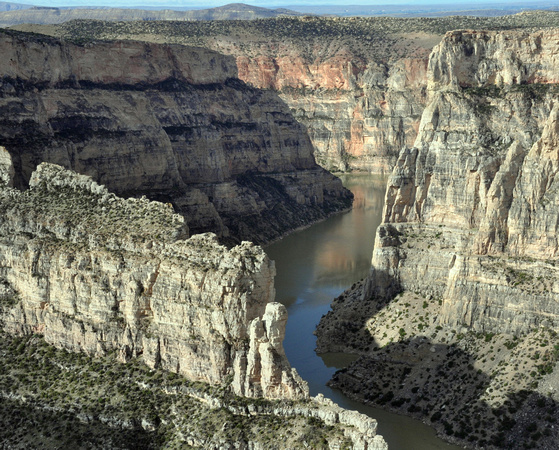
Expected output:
(263, 3)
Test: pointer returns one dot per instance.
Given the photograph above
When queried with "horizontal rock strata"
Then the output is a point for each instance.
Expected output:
(94, 273)
(168, 121)
(464, 281)
(359, 85)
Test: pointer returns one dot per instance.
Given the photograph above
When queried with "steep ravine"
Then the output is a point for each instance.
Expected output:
(168, 121)
(458, 320)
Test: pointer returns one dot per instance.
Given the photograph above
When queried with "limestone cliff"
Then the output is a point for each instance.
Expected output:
(482, 171)
(168, 121)
(358, 90)
(464, 281)
(91, 273)
(96, 273)
(359, 85)
(359, 111)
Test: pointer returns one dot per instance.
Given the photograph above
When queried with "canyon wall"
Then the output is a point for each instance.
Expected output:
(357, 85)
(94, 273)
(481, 177)
(359, 112)
(459, 318)
(171, 122)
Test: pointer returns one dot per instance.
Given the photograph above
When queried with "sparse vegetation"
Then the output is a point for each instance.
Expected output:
(476, 387)
(52, 397)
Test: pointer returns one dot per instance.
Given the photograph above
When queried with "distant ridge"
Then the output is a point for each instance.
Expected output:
(52, 16)
(486, 9)
(8, 6)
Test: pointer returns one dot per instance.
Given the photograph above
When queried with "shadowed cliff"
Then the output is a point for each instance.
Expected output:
(169, 122)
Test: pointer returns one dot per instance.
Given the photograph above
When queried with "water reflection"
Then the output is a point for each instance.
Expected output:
(313, 267)
(332, 254)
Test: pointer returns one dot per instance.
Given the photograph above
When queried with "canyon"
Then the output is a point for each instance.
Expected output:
(456, 324)
(137, 293)
(88, 272)
(177, 126)
(458, 318)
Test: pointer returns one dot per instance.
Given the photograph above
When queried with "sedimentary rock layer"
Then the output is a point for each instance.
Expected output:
(358, 84)
(359, 91)
(464, 282)
(90, 272)
(168, 121)
(95, 273)
(359, 112)
(481, 178)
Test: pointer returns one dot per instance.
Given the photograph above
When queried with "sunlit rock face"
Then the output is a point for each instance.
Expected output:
(95, 273)
(359, 113)
(458, 322)
(168, 121)
(481, 179)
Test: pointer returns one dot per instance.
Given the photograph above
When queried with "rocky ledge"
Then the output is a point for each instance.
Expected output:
(95, 273)
(194, 323)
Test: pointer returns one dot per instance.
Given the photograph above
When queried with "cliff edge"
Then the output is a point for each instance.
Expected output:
(193, 324)
(94, 273)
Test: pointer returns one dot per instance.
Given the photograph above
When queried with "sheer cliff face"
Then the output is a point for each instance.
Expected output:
(359, 116)
(481, 178)
(172, 122)
(96, 273)
(357, 88)
(359, 111)
(457, 322)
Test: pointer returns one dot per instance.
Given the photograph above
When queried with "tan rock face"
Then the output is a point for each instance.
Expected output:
(479, 58)
(462, 300)
(359, 113)
(96, 273)
(105, 63)
(6, 168)
(167, 121)
(470, 211)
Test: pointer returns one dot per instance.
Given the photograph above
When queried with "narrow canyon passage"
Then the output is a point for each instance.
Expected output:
(313, 267)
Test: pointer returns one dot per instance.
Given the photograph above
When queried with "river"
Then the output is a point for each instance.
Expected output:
(316, 265)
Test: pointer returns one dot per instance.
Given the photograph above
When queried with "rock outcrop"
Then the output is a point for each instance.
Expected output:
(111, 405)
(480, 178)
(94, 273)
(464, 280)
(359, 112)
(168, 121)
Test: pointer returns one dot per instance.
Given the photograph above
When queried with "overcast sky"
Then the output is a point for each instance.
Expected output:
(265, 3)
